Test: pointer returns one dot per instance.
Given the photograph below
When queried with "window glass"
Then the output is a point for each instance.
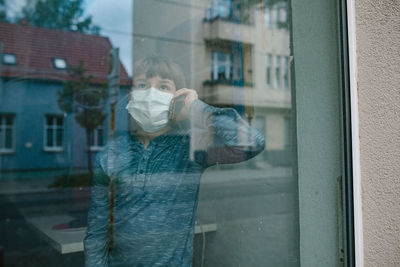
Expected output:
(275, 16)
(54, 132)
(269, 69)
(6, 132)
(154, 133)
(97, 139)
(286, 72)
(277, 65)
(267, 17)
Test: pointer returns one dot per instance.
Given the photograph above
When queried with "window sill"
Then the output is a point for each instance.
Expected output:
(53, 150)
(7, 152)
(95, 149)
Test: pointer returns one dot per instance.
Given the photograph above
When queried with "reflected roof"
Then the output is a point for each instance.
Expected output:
(36, 48)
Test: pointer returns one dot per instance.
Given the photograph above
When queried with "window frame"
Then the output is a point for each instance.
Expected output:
(269, 70)
(277, 59)
(95, 146)
(53, 148)
(4, 127)
(215, 64)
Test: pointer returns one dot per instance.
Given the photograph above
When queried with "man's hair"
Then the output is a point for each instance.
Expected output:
(157, 65)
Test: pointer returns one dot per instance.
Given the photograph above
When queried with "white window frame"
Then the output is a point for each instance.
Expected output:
(96, 146)
(54, 128)
(215, 63)
(4, 127)
(355, 139)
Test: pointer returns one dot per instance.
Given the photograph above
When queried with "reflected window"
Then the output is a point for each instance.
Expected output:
(283, 17)
(267, 17)
(275, 17)
(7, 129)
(287, 131)
(219, 9)
(53, 132)
(221, 66)
(268, 63)
(286, 72)
(9, 59)
(277, 63)
(279, 16)
(60, 63)
(97, 139)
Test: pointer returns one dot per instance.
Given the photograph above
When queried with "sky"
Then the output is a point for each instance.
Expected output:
(113, 17)
(115, 21)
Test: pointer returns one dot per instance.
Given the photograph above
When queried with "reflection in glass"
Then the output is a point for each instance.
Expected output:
(102, 163)
(277, 64)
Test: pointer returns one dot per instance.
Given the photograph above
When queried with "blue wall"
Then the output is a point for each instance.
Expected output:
(30, 101)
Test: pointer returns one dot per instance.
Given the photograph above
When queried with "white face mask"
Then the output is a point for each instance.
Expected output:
(150, 108)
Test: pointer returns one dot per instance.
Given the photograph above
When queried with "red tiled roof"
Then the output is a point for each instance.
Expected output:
(36, 48)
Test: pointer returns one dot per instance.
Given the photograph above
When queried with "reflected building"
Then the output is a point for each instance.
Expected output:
(234, 54)
(37, 138)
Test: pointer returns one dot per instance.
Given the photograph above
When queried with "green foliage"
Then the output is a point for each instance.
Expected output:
(3, 14)
(58, 14)
(86, 102)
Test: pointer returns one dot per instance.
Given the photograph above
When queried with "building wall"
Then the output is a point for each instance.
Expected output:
(30, 101)
(378, 53)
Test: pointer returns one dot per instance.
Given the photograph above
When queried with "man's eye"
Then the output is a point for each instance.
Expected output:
(164, 88)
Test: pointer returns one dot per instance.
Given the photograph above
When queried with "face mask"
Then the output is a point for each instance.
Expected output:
(150, 108)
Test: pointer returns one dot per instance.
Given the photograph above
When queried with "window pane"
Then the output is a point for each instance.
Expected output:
(2, 138)
(275, 16)
(8, 143)
(277, 71)
(59, 121)
(100, 141)
(49, 120)
(9, 120)
(267, 18)
(286, 72)
(49, 138)
(209, 178)
(59, 137)
(269, 69)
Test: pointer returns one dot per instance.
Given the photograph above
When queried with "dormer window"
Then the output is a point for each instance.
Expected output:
(60, 63)
(9, 59)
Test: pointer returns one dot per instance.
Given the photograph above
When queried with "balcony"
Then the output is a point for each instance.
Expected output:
(225, 93)
(225, 30)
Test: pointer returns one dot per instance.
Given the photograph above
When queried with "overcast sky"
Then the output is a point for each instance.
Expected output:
(113, 17)
(115, 21)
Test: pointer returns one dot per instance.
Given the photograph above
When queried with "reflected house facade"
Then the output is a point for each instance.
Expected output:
(38, 138)
(233, 55)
